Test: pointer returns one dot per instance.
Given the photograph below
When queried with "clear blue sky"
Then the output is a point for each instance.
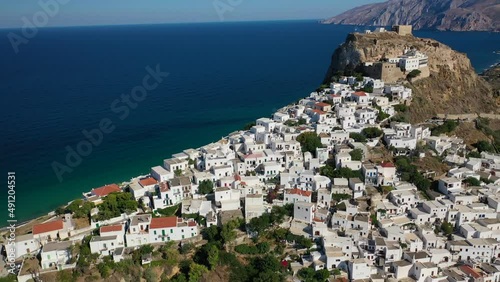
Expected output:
(111, 12)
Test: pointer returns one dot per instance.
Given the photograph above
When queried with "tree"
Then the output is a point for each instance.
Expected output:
(356, 154)
(446, 127)
(472, 181)
(278, 214)
(178, 172)
(196, 271)
(290, 122)
(228, 234)
(206, 187)
(367, 88)
(484, 146)
(213, 256)
(474, 154)
(413, 74)
(84, 210)
(309, 141)
(279, 234)
(447, 228)
(211, 233)
(343, 172)
(382, 116)
(150, 275)
(263, 247)
(60, 210)
(401, 108)
(305, 242)
(322, 275)
(259, 224)
(115, 204)
(104, 270)
(359, 76)
(358, 137)
(307, 274)
(372, 132)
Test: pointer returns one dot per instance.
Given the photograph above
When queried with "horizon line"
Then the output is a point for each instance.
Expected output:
(163, 23)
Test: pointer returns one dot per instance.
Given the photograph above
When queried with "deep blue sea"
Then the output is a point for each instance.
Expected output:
(221, 76)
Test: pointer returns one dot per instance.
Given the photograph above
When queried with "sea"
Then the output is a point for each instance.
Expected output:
(68, 82)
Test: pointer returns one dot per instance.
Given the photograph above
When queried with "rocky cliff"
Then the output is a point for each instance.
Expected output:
(452, 86)
(456, 15)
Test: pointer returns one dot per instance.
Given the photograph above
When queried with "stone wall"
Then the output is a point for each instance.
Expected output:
(468, 116)
(403, 29)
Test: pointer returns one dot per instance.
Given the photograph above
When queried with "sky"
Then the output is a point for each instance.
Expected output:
(47, 13)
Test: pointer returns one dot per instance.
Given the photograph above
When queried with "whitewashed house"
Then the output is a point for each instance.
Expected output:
(164, 229)
(56, 255)
(303, 211)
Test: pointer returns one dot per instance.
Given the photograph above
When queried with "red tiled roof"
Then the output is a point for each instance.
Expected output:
(237, 177)
(359, 93)
(321, 104)
(319, 112)
(163, 222)
(105, 190)
(192, 223)
(111, 228)
(297, 191)
(147, 181)
(387, 164)
(47, 227)
(469, 271)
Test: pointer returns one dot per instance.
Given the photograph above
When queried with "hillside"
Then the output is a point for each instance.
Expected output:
(452, 87)
(456, 15)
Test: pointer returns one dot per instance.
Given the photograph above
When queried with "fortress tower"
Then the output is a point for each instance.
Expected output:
(403, 29)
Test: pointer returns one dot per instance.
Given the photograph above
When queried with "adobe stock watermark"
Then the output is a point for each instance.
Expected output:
(49, 9)
(224, 6)
(121, 108)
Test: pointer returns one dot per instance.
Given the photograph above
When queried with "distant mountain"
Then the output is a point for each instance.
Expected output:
(455, 15)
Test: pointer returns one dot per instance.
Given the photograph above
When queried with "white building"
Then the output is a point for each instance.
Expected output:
(303, 211)
(450, 185)
(111, 237)
(26, 244)
(56, 255)
(138, 230)
(359, 269)
(164, 229)
(254, 206)
(161, 174)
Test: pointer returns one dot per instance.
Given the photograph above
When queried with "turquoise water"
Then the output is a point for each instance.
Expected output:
(222, 76)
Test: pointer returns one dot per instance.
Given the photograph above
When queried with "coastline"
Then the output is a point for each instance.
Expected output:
(49, 211)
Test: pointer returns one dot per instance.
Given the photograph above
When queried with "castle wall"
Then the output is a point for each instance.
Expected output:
(403, 29)
(390, 73)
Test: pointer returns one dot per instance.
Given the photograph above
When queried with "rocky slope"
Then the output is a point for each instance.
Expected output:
(456, 15)
(453, 86)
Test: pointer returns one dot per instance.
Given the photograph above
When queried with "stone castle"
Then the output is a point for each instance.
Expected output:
(397, 68)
